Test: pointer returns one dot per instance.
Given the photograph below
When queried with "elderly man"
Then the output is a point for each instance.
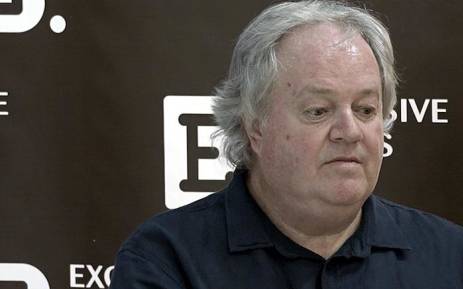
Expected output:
(303, 112)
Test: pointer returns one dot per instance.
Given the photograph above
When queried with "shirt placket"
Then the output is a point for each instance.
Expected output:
(329, 278)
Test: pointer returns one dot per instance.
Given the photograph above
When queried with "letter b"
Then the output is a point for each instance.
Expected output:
(26, 273)
(32, 12)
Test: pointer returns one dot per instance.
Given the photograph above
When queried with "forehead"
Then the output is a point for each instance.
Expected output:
(328, 54)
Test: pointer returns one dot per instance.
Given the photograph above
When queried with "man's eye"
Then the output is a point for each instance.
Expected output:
(316, 112)
(367, 111)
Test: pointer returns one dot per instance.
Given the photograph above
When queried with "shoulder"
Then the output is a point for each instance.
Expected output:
(168, 232)
(156, 253)
(199, 210)
(423, 225)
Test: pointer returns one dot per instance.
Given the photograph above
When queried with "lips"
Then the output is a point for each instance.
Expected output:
(345, 159)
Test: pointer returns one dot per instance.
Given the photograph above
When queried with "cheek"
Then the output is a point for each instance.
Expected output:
(298, 150)
(282, 147)
(375, 142)
(275, 149)
(380, 138)
(288, 143)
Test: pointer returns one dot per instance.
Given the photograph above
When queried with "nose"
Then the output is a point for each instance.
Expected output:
(346, 127)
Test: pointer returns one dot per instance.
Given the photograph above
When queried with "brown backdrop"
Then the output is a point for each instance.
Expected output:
(82, 146)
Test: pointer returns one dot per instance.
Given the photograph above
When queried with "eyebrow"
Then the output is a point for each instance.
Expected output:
(368, 92)
(322, 91)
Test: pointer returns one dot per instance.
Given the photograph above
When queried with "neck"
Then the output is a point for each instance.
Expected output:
(329, 226)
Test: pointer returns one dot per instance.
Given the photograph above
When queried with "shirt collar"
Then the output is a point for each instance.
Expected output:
(248, 226)
(383, 229)
(244, 217)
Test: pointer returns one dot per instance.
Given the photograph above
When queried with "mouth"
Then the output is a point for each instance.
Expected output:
(347, 159)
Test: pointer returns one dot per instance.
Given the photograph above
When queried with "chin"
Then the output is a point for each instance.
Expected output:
(347, 195)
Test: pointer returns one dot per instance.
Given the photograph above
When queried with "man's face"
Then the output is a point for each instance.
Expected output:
(322, 142)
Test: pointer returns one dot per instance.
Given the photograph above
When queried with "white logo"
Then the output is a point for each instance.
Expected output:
(419, 112)
(32, 12)
(26, 273)
(194, 166)
(3, 103)
(78, 273)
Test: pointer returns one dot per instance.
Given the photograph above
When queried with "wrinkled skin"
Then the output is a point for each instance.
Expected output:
(320, 148)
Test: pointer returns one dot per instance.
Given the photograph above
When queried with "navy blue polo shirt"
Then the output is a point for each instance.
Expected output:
(225, 241)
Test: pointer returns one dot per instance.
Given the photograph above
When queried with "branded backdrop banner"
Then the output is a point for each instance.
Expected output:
(105, 120)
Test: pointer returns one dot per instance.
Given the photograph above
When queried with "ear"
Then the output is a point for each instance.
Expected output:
(255, 135)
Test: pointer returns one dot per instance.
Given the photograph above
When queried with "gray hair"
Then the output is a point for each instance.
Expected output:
(242, 96)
